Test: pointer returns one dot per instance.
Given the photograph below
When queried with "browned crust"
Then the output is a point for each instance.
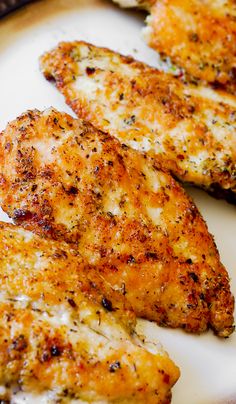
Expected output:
(198, 36)
(51, 303)
(156, 95)
(170, 273)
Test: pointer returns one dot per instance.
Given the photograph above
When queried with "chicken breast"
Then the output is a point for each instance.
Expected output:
(61, 336)
(199, 36)
(64, 179)
(191, 129)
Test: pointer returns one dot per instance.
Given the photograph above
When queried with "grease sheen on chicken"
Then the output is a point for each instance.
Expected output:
(199, 36)
(64, 179)
(66, 335)
(192, 129)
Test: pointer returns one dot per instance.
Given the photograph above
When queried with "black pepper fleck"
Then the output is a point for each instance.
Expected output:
(114, 366)
(107, 304)
(193, 276)
(189, 261)
(72, 302)
(55, 351)
(130, 260)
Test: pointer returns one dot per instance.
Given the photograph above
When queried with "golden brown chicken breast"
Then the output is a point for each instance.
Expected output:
(192, 129)
(64, 179)
(61, 337)
(199, 36)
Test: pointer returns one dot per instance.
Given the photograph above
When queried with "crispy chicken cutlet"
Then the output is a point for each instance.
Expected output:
(199, 36)
(64, 179)
(191, 129)
(66, 335)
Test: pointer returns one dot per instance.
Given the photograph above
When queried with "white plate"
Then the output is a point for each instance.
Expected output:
(208, 364)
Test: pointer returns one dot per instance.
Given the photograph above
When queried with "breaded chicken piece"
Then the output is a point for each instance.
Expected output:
(64, 179)
(199, 36)
(191, 129)
(60, 331)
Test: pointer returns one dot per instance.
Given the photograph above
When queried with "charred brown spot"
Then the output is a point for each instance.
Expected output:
(44, 224)
(19, 343)
(55, 350)
(218, 192)
(90, 70)
(166, 378)
(46, 173)
(19, 215)
(72, 303)
(193, 37)
(131, 260)
(48, 76)
(93, 284)
(110, 214)
(19, 154)
(103, 252)
(123, 289)
(233, 73)
(60, 254)
(191, 109)
(189, 261)
(72, 191)
(124, 146)
(192, 213)
(193, 276)
(29, 175)
(151, 255)
(164, 101)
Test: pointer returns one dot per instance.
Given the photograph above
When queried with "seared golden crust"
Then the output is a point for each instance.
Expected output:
(191, 129)
(59, 330)
(199, 36)
(64, 179)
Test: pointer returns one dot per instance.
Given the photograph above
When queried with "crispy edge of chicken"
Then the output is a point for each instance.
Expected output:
(190, 129)
(64, 179)
(60, 332)
(198, 36)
